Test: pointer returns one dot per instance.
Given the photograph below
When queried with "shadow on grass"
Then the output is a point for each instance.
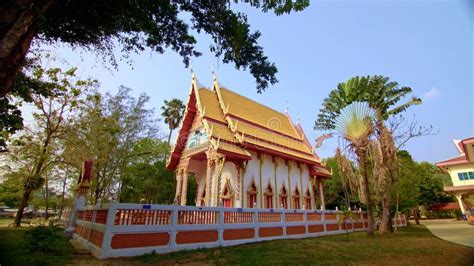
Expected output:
(409, 246)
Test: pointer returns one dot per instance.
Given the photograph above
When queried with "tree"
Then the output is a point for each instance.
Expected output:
(354, 124)
(383, 96)
(135, 25)
(421, 184)
(35, 151)
(145, 178)
(341, 189)
(24, 89)
(172, 113)
(107, 129)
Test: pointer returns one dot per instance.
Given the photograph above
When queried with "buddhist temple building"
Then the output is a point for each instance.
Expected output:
(461, 170)
(243, 154)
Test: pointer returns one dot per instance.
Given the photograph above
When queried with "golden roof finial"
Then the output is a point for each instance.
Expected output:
(214, 77)
(193, 75)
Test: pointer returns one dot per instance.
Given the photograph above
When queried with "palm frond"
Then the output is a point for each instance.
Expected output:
(355, 122)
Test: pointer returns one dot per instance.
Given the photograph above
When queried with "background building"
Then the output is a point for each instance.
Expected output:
(461, 170)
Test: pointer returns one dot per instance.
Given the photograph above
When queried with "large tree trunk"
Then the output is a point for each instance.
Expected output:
(168, 149)
(17, 29)
(46, 202)
(63, 195)
(362, 157)
(385, 223)
(416, 216)
(390, 159)
(21, 208)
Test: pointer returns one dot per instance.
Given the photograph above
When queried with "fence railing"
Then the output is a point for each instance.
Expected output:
(119, 230)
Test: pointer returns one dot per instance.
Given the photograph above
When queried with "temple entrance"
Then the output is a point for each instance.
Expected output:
(192, 190)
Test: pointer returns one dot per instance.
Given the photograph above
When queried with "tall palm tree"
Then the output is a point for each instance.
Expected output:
(172, 112)
(355, 124)
(383, 96)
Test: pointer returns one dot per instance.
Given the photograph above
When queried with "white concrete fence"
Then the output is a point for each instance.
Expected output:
(122, 230)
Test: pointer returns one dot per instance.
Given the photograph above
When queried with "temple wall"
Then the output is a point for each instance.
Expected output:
(251, 172)
(268, 173)
(230, 174)
(282, 179)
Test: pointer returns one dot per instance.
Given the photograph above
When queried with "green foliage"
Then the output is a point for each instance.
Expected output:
(43, 239)
(173, 112)
(26, 87)
(137, 25)
(378, 91)
(192, 190)
(10, 192)
(15, 251)
(421, 184)
(145, 178)
(336, 190)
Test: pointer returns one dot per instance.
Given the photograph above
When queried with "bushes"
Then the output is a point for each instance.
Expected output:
(443, 214)
(43, 239)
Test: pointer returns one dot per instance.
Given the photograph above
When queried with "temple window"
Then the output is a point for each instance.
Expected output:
(283, 198)
(252, 196)
(307, 198)
(227, 196)
(296, 199)
(197, 139)
(269, 197)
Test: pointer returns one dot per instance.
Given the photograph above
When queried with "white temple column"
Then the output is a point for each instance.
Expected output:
(178, 186)
(184, 189)
(321, 194)
(461, 204)
(208, 182)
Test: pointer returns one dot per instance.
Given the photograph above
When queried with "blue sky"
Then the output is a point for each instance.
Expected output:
(427, 45)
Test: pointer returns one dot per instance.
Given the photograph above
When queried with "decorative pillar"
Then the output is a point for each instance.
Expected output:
(210, 164)
(260, 160)
(461, 204)
(218, 162)
(178, 186)
(302, 193)
(184, 192)
(290, 197)
(81, 189)
(275, 188)
(183, 180)
(321, 194)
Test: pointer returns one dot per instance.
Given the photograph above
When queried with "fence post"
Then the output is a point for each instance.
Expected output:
(323, 219)
(174, 224)
(109, 226)
(283, 222)
(220, 226)
(305, 219)
(255, 223)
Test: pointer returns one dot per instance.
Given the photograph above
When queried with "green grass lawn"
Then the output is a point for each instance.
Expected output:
(414, 245)
(4, 222)
(409, 246)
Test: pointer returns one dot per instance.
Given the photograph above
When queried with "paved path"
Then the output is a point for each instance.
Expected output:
(459, 232)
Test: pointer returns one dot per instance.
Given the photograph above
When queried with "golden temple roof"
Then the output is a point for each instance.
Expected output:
(236, 124)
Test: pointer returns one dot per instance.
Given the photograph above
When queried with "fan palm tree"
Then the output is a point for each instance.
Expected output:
(355, 124)
(172, 112)
(383, 96)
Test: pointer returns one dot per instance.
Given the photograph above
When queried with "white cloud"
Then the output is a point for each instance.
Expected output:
(431, 94)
